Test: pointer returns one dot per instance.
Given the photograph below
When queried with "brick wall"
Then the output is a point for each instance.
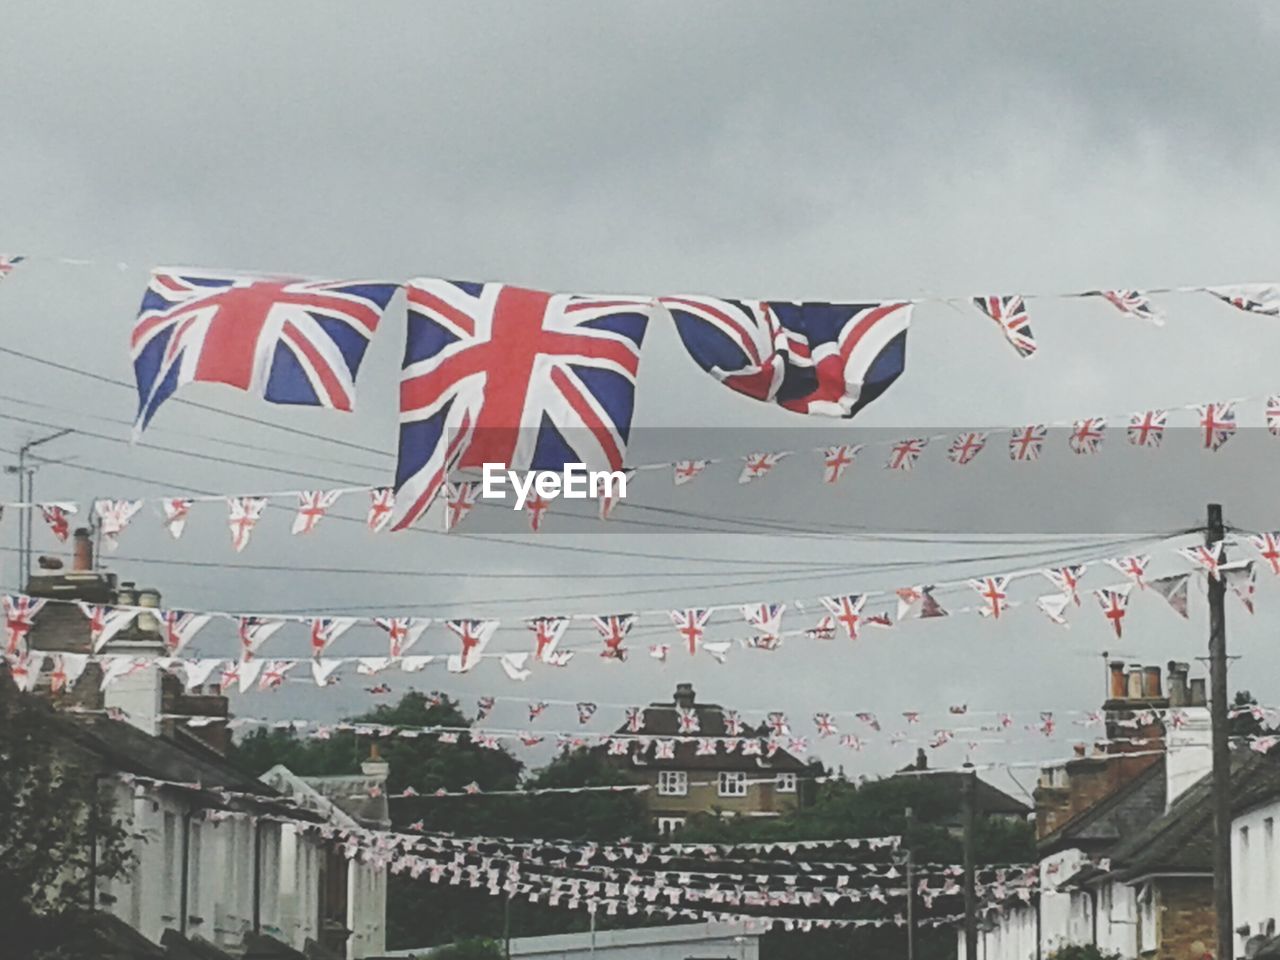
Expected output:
(1185, 917)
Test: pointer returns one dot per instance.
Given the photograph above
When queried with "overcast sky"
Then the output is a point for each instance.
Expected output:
(819, 151)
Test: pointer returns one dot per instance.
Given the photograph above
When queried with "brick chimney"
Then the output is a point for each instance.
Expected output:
(684, 696)
(82, 551)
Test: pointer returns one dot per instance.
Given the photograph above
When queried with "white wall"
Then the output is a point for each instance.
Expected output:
(1255, 870)
(1118, 919)
(730, 941)
(1188, 756)
(220, 887)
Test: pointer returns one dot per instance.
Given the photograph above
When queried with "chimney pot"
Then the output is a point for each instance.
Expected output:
(1117, 691)
(1198, 698)
(1133, 689)
(1079, 749)
(922, 759)
(1151, 683)
(1178, 683)
(375, 766)
(82, 551)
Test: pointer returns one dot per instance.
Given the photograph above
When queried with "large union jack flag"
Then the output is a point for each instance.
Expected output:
(825, 358)
(499, 374)
(289, 341)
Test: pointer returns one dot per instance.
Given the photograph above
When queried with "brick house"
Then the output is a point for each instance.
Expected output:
(730, 783)
(1124, 833)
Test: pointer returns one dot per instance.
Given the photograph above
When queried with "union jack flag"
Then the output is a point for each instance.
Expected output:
(613, 630)
(1113, 603)
(1146, 429)
(965, 447)
(475, 636)
(19, 617)
(67, 668)
(1243, 580)
(664, 749)
(1025, 443)
(826, 724)
(610, 493)
(1268, 547)
(992, 591)
(765, 617)
(798, 745)
(869, 719)
(484, 707)
(1218, 421)
(847, 611)
(905, 453)
(1134, 303)
(58, 517)
(536, 709)
(1210, 557)
(105, 622)
(822, 358)
(586, 711)
(1067, 579)
(618, 747)
(733, 725)
(1273, 415)
(1260, 298)
(289, 341)
(691, 624)
(837, 459)
(687, 720)
(1011, 314)
(402, 633)
(500, 374)
(273, 674)
(851, 742)
(460, 500)
(244, 514)
(180, 627)
(325, 630)
(254, 632)
(536, 506)
(706, 747)
(113, 517)
(752, 748)
(7, 264)
(312, 505)
(547, 632)
(824, 629)
(685, 470)
(1133, 567)
(757, 465)
(635, 719)
(382, 503)
(777, 724)
(176, 510)
(1086, 434)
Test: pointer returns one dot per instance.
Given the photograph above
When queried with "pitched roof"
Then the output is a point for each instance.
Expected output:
(662, 720)
(1114, 817)
(1180, 840)
(987, 798)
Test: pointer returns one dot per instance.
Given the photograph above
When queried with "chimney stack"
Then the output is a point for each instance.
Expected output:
(684, 696)
(82, 551)
(922, 759)
(375, 766)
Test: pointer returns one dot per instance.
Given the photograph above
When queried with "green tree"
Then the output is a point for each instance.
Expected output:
(52, 814)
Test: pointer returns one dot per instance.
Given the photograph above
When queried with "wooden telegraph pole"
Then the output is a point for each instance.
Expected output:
(1213, 535)
(967, 790)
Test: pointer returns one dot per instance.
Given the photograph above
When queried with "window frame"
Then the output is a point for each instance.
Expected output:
(787, 783)
(732, 783)
(673, 783)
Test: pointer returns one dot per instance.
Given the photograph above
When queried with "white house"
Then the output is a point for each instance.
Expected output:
(221, 856)
(1255, 861)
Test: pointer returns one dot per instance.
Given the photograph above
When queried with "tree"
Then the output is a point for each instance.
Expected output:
(52, 815)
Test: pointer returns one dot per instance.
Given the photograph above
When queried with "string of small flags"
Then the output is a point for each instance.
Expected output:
(1216, 424)
(839, 615)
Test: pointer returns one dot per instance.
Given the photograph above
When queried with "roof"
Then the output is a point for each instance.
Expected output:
(1114, 817)
(1180, 840)
(1262, 786)
(987, 798)
(661, 720)
(350, 798)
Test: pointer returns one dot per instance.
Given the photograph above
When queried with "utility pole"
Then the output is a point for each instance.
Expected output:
(967, 788)
(1213, 535)
(911, 890)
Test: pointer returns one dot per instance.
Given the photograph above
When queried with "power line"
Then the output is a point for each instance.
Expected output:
(67, 368)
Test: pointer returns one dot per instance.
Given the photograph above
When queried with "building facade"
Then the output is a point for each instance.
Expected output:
(730, 784)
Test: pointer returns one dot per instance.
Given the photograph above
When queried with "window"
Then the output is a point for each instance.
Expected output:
(786, 783)
(673, 783)
(733, 783)
(669, 825)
